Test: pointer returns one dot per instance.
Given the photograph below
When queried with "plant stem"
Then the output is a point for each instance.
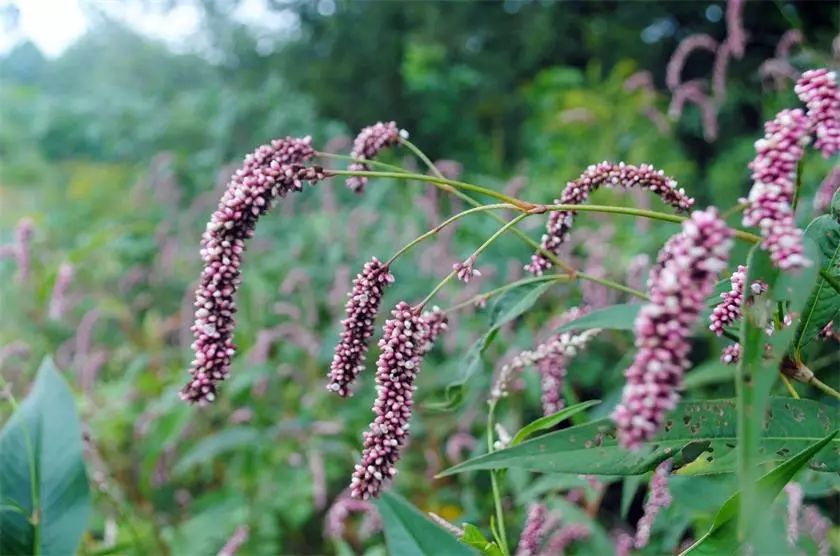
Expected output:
(521, 205)
(375, 163)
(789, 386)
(474, 255)
(487, 295)
(422, 156)
(825, 388)
(497, 497)
(613, 285)
(442, 225)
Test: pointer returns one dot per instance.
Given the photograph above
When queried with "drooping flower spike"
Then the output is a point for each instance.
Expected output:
(534, 531)
(819, 91)
(269, 173)
(367, 145)
(728, 310)
(769, 205)
(659, 497)
(679, 284)
(357, 327)
(607, 174)
(403, 344)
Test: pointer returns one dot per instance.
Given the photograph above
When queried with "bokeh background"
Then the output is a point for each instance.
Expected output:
(117, 136)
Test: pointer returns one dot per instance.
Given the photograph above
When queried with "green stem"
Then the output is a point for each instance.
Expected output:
(474, 255)
(374, 163)
(422, 156)
(521, 205)
(442, 225)
(487, 295)
(494, 483)
(825, 388)
(613, 285)
(789, 386)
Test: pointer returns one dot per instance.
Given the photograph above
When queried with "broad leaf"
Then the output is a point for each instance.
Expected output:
(410, 533)
(549, 421)
(695, 430)
(614, 317)
(509, 306)
(722, 536)
(824, 303)
(42, 473)
(758, 369)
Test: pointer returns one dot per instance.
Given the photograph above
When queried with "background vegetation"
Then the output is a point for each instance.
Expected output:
(117, 151)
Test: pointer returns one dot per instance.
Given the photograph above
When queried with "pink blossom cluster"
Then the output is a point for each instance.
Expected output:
(58, 297)
(270, 172)
(566, 535)
(819, 91)
(659, 497)
(795, 496)
(437, 321)
(769, 205)
(729, 310)
(608, 174)
(827, 189)
(534, 531)
(339, 512)
(357, 327)
(367, 145)
(679, 284)
(731, 354)
(403, 344)
(465, 271)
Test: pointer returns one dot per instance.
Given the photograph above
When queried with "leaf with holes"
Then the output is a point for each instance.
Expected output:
(722, 537)
(42, 473)
(549, 421)
(695, 430)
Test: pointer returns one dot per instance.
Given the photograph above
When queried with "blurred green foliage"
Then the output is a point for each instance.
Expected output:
(118, 151)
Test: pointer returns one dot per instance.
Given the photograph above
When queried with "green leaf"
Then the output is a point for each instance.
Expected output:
(410, 533)
(614, 317)
(824, 303)
(510, 305)
(42, 473)
(229, 439)
(758, 369)
(549, 421)
(475, 538)
(629, 488)
(694, 430)
(722, 536)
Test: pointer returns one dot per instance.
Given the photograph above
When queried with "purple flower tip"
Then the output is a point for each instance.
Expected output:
(270, 172)
(609, 174)
(819, 91)
(659, 497)
(357, 327)
(403, 344)
(367, 145)
(534, 531)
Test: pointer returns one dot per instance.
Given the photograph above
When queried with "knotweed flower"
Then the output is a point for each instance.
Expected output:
(729, 310)
(818, 527)
(673, 72)
(403, 345)
(694, 91)
(683, 277)
(457, 444)
(731, 354)
(437, 322)
(465, 271)
(58, 298)
(235, 542)
(23, 236)
(819, 91)
(736, 36)
(534, 531)
(774, 176)
(608, 174)
(567, 534)
(368, 143)
(340, 511)
(357, 327)
(659, 497)
(794, 507)
(827, 189)
(269, 173)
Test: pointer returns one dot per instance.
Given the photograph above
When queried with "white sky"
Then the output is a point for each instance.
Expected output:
(53, 25)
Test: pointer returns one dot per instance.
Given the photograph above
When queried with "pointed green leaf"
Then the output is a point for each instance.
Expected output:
(475, 538)
(549, 421)
(722, 536)
(705, 429)
(42, 472)
(410, 533)
(614, 317)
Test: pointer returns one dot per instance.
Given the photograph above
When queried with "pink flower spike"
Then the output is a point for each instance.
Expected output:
(819, 91)
(534, 531)
(769, 205)
(367, 145)
(357, 327)
(679, 284)
(577, 192)
(659, 497)
(403, 345)
(269, 173)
